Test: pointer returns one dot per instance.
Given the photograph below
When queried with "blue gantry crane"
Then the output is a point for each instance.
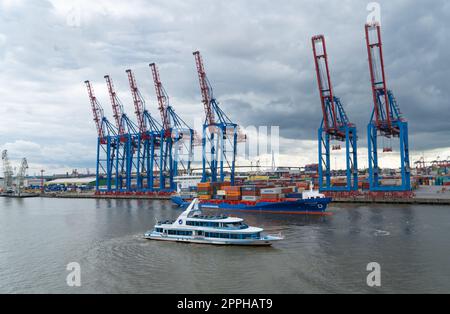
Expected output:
(127, 142)
(148, 159)
(177, 138)
(220, 134)
(106, 143)
(146, 156)
(143, 157)
(386, 120)
(335, 126)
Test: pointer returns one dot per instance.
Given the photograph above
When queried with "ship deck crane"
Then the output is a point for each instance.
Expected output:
(150, 134)
(220, 134)
(386, 120)
(178, 137)
(106, 143)
(335, 126)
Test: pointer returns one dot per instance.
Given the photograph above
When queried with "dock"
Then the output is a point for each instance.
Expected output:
(7, 195)
(422, 196)
(411, 201)
(94, 196)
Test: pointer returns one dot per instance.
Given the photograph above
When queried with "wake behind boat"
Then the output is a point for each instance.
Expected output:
(194, 227)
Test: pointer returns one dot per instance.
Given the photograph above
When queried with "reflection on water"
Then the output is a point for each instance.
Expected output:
(39, 237)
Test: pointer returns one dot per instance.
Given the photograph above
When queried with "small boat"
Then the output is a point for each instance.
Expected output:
(192, 226)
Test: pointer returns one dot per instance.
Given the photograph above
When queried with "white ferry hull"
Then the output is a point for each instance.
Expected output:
(268, 241)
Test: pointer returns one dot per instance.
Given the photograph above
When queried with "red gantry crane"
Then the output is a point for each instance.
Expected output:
(335, 125)
(128, 142)
(150, 131)
(386, 120)
(106, 143)
(178, 136)
(220, 134)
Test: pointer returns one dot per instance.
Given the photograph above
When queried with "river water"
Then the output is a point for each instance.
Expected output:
(39, 237)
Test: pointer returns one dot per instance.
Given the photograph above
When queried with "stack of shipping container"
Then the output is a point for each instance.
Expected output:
(251, 193)
(232, 193)
(204, 191)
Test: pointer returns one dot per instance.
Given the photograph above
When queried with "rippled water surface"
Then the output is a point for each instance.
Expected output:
(39, 237)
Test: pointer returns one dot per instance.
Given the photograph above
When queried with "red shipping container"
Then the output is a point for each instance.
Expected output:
(270, 196)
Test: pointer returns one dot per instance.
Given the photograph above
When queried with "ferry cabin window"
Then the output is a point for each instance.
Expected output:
(233, 225)
(180, 232)
(232, 235)
(202, 224)
(160, 230)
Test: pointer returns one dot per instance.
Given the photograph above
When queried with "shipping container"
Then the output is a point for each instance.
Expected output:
(250, 198)
(270, 196)
(233, 198)
(271, 191)
(294, 195)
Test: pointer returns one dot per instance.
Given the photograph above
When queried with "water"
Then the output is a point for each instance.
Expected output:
(39, 237)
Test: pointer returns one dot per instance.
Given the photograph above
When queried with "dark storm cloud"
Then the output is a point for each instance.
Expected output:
(416, 42)
(257, 54)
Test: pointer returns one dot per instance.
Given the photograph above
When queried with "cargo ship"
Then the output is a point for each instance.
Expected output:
(266, 197)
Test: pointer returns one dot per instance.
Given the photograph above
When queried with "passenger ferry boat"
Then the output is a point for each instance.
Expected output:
(194, 227)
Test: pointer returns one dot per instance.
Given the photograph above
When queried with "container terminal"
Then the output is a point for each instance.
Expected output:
(153, 158)
(430, 184)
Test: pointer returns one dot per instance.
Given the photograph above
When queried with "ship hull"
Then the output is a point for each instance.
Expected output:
(257, 242)
(302, 207)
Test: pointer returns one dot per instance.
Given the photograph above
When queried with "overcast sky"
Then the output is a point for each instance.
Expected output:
(257, 54)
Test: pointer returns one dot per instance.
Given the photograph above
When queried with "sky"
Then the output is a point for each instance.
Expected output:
(257, 54)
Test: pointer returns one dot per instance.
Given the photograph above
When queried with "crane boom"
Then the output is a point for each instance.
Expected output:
(324, 82)
(163, 98)
(385, 107)
(116, 105)
(139, 104)
(205, 88)
(97, 110)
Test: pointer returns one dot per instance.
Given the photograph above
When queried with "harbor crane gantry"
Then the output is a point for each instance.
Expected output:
(7, 173)
(386, 120)
(220, 134)
(20, 179)
(127, 143)
(335, 126)
(150, 134)
(177, 138)
(106, 142)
